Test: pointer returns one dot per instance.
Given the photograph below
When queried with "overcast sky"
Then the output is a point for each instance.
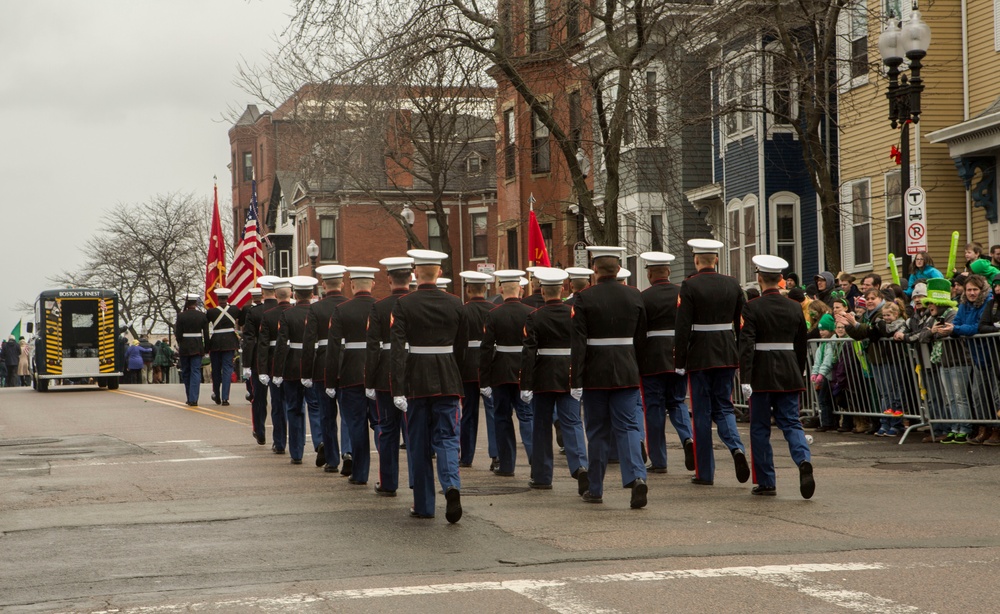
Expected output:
(112, 102)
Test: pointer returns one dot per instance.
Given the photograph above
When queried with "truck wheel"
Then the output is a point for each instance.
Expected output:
(112, 383)
(102, 382)
(42, 385)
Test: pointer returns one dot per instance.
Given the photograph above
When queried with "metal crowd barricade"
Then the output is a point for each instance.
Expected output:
(875, 379)
(962, 382)
(808, 406)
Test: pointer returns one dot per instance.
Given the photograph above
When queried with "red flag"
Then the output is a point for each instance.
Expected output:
(537, 254)
(215, 269)
(248, 260)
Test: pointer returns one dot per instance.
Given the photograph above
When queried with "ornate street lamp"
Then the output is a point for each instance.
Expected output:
(312, 250)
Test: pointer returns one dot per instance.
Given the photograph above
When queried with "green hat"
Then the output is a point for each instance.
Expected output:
(984, 268)
(939, 293)
(827, 322)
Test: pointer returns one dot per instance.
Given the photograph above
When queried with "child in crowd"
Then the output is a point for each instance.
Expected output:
(845, 367)
(850, 290)
(826, 359)
(892, 371)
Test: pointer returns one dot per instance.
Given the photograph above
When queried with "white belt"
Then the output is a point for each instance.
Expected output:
(295, 346)
(712, 328)
(474, 343)
(322, 342)
(223, 330)
(669, 332)
(355, 345)
(386, 345)
(509, 349)
(610, 341)
(553, 351)
(774, 347)
(192, 334)
(431, 349)
(272, 342)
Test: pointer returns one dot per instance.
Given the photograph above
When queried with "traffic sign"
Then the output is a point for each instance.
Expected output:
(486, 267)
(580, 254)
(914, 202)
(915, 196)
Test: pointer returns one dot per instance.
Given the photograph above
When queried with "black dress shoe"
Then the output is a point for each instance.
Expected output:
(414, 514)
(383, 492)
(742, 468)
(296, 461)
(348, 465)
(539, 485)
(260, 438)
(689, 454)
(582, 481)
(701, 482)
(504, 474)
(494, 464)
(807, 484)
(639, 490)
(764, 491)
(320, 455)
(465, 465)
(331, 468)
(822, 429)
(356, 482)
(590, 498)
(276, 449)
(402, 446)
(453, 511)
(657, 469)
(225, 403)
(614, 461)
(248, 397)
(215, 398)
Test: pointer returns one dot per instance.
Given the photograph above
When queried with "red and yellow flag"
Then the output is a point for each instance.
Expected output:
(537, 253)
(215, 268)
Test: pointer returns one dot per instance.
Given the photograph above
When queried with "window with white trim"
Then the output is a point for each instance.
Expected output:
(480, 239)
(328, 237)
(540, 150)
(856, 229)
(783, 88)
(858, 36)
(785, 228)
(741, 231)
(996, 25)
(894, 214)
(434, 232)
(736, 95)
(509, 151)
(656, 232)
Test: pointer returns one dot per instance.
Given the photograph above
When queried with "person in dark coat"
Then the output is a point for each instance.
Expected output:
(499, 367)
(609, 331)
(256, 299)
(191, 329)
(772, 360)
(476, 309)
(222, 344)
(267, 342)
(429, 337)
(535, 298)
(708, 324)
(390, 419)
(251, 326)
(11, 353)
(663, 390)
(288, 364)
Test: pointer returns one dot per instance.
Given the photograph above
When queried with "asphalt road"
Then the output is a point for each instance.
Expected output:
(132, 502)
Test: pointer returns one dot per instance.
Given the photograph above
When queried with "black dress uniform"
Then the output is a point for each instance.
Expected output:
(499, 369)
(545, 364)
(222, 345)
(288, 366)
(663, 391)
(429, 337)
(390, 419)
(475, 312)
(772, 360)
(258, 403)
(191, 329)
(609, 328)
(345, 371)
(267, 342)
(534, 300)
(708, 323)
(314, 348)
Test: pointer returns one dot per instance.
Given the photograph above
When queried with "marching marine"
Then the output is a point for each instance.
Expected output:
(288, 364)
(191, 329)
(222, 344)
(251, 326)
(267, 342)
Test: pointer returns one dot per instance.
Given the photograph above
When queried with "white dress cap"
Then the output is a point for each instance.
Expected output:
(576, 272)
(523, 281)
(657, 258)
(475, 277)
(331, 271)
(705, 246)
(600, 251)
(550, 276)
(303, 282)
(222, 291)
(442, 282)
(397, 263)
(426, 256)
(413, 279)
(532, 269)
(254, 291)
(362, 272)
(623, 274)
(505, 275)
(766, 263)
(190, 296)
(267, 281)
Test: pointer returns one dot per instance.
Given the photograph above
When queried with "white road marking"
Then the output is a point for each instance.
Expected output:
(148, 462)
(558, 595)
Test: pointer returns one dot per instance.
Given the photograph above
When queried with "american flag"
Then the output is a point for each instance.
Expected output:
(248, 261)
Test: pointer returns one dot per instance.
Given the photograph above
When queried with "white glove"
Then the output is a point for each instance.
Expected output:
(264, 378)
(331, 392)
(680, 372)
(576, 393)
(527, 395)
(308, 383)
(400, 403)
(486, 392)
(278, 381)
(246, 373)
(370, 393)
(747, 390)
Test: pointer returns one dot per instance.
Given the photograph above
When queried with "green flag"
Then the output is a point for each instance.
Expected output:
(16, 331)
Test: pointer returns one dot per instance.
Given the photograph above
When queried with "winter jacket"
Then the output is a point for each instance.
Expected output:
(990, 321)
(134, 356)
(164, 356)
(924, 272)
(867, 330)
(827, 295)
(967, 324)
(11, 352)
(827, 354)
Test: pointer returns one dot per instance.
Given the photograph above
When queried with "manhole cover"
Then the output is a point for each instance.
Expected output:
(920, 466)
(27, 442)
(472, 491)
(63, 452)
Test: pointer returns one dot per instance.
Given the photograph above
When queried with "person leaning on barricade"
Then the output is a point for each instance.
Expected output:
(974, 361)
(937, 325)
(827, 356)
(989, 324)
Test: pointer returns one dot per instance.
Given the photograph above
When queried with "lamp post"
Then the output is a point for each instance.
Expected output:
(912, 40)
(409, 218)
(312, 250)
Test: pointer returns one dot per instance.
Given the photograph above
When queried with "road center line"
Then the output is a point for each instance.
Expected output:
(177, 404)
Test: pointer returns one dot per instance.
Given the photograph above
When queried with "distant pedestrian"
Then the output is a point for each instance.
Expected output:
(24, 364)
(148, 355)
(11, 353)
(162, 362)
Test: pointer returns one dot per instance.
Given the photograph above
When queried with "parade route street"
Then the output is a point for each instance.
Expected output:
(132, 502)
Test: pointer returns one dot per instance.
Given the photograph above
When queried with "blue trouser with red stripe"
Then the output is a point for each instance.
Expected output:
(611, 414)
(785, 408)
(432, 425)
(711, 401)
(391, 425)
(662, 396)
(470, 422)
(357, 411)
